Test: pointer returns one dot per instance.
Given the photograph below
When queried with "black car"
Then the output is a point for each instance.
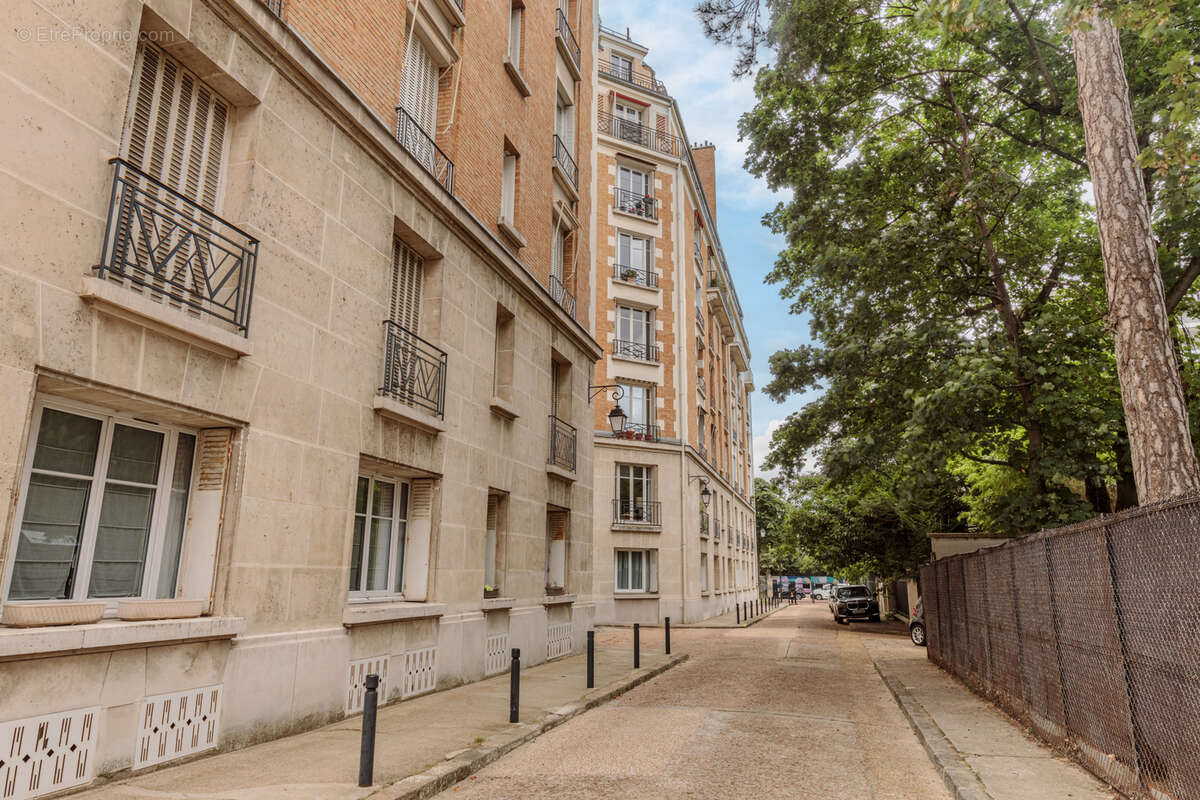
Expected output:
(853, 602)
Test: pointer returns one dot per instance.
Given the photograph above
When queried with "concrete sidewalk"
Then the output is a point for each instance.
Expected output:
(982, 753)
(422, 745)
(731, 619)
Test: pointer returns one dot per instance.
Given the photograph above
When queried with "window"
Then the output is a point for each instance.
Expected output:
(635, 334)
(558, 253)
(557, 524)
(380, 528)
(502, 380)
(419, 86)
(703, 572)
(492, 536)
(635, 493)
(515, 18)
(633, 253)
(564, 120)
(622, 67)
(633, 192)
(103, 508)
(408, 277)
(628, 122)
(636, 570)
(637, 402)
(508, 189)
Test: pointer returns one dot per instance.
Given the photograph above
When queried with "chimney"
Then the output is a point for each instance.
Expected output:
(705, 156)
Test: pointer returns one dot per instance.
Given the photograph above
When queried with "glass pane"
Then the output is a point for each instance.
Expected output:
(67, 443)
(635, 571)
(403, 502)
(181, 482)
(121, 540)
(402, 532)
(622, 569)
(356, 553)
(383, 501)
(135, 454)
(379, 554)
(360, 496)
(48, 545)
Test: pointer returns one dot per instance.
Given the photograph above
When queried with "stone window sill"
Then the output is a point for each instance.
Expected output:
(504, 408)
(518, 80)
(176, 323)
(507, 228)
(560, 473)
(394, 409)
(632, 360)
(498, 603)
(635, 595)
(636, 526)
(368, 613)
(16, 643)
(558, 599)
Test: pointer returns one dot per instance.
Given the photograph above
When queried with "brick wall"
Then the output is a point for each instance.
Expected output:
(706, 165)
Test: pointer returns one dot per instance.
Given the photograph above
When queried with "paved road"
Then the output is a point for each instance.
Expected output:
(791, 707)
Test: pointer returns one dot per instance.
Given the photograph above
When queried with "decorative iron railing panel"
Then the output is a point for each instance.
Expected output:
(564, 161)
(635, 203)
(639, 134)
(704, 523)
(568, 36)
(716, 529)
(641, 431)
(637, 512)
(561, 296)
(275, 7)
(640, 351)
(642, 277)
(421, 146)
(562, 444)
(632, 77)
(414, 371)
(177, 250)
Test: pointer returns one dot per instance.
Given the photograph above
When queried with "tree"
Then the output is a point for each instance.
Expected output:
(1156, 416)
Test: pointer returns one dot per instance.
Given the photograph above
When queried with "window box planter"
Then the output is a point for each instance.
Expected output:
(629, 275)
(555, 591)
(136, 610)
(489, 594)
(58, 612)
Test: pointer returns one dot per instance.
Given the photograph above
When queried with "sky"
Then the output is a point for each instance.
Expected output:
(697, 73)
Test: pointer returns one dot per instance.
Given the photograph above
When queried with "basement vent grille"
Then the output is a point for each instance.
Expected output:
(40, 755)
(177, 725)
(356, 690)
(420, 671)
(558, 640)
(496, 657)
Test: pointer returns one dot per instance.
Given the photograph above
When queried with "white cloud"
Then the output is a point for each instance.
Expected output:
(762, 445)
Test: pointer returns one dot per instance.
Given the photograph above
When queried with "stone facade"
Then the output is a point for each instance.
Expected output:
(669, 320)
(322, 437)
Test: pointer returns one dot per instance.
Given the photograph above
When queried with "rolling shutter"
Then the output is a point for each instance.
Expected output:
(419, 85)
(407, 277)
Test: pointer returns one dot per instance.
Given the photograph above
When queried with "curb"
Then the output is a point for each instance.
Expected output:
(442, 776)
(746, 624)
(960, 779)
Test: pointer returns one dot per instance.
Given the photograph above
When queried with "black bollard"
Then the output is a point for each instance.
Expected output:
(514, 687)
(637, 645)
(667, 634)
(745, 610)
(737, 614)
(591, 665)
(366, 750)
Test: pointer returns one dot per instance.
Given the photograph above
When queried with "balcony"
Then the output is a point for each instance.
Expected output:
(641, 432)
(638, 351)
(565, 39)
(635, 203)
(421, 146)
(565, 164)
(633, 77)
(180, 257)
(414, 371)
(636, 275)
(565, 299)
(703, 450)
(644, 513)
(562, 444)
(701, 387)
(630, 131)
(704, 524)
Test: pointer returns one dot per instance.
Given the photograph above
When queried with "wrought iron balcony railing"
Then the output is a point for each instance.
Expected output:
(414, 371)
(641, 432)
(568, 37)
(561, 296)
(637, 512)
(639, 134)
(633, 77)
(423, 148)
(640, 351)
(704, 523)
(635, 203)
(703, 449)
(175, 250)
(564, 161)
(562, 444)
(642, 277)
(275, 7)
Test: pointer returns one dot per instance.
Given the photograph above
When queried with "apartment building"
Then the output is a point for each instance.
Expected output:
(293, 370)
(673, 503)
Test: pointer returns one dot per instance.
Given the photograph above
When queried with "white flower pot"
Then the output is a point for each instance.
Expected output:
(57, 612)
(135, 609)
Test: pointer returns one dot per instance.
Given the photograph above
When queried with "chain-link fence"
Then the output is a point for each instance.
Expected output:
(1088, 634)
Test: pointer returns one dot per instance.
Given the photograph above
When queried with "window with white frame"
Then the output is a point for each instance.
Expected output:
(102, 508)
(380, 528)
(637, 401)
(564, 120)
(704, 572)
(635, 492)
(633, 257)
(515, 16)
(636, 570)
(628, 121)
(508, 188)
(492, 536)
(633, 192)
(635, 333)
(558, 252)
(621, 66)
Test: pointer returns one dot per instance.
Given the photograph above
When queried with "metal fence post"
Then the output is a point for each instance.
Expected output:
(667, 634)
(366, 750)
(591, 659)
(637, 645)
(514, 687)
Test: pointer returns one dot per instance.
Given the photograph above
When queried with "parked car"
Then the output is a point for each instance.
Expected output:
(916, 625)
(853, 602)
(821, 592)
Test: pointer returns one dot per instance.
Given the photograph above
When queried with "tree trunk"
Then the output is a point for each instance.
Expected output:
(1164, 463)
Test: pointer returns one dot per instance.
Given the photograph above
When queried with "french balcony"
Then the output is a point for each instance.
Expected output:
(562, 444)
(644, 513)
(704, 524)
(637, 351)
(641, 432)
(702, 388)
(635, 203)
(636, 275)
(634, 132)
(567, 44)
(414, 371)
(421, 146)
(180, 261)
(703, 450)
(633, 77)
(564, 298)
(565, 164)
